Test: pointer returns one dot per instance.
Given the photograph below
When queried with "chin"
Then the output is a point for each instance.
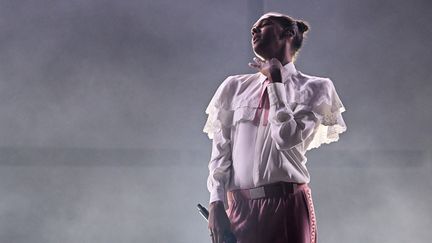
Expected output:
(259, 52)
(259, 55)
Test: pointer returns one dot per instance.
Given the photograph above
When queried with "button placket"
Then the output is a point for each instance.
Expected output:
(264, 104)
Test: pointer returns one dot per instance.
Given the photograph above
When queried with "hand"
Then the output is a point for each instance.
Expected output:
(219, 223)
(270, 68)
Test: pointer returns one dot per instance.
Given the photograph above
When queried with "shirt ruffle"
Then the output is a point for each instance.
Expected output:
(321, 98)
(222, 111)
(328, 108)
(219, 117)
(331, 125)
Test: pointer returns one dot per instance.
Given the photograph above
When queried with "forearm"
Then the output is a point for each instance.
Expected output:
(219, 165)
(288, 128)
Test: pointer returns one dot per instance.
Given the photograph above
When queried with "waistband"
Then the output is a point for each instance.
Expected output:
(278, 189)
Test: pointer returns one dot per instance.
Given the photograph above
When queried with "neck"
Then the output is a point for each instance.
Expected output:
(284, 59)
(284, 56)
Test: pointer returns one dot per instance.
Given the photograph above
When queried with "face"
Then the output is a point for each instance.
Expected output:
(267, 40)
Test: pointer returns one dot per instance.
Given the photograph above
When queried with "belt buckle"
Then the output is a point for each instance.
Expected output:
(257, 192)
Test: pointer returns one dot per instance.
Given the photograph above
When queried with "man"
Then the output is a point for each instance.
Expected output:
(262, 124)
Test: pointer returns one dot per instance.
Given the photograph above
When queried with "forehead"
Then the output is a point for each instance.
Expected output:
(261, 19)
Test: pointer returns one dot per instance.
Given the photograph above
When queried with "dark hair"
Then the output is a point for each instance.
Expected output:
(298, 28)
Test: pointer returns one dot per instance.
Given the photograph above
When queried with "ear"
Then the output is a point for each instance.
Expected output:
(287, 33)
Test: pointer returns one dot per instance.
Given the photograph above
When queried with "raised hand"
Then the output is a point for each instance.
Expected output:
(270, 68)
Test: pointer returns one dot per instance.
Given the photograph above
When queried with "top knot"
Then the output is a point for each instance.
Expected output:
(302, 26)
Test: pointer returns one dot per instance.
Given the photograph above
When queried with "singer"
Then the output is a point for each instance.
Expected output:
(261, 126)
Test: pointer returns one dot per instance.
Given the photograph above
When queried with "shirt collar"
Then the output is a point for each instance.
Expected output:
(287, 71)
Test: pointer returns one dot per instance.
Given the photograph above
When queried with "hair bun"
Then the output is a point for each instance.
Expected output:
(302, 26)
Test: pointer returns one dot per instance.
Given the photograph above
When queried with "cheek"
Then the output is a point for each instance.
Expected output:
(270, 35)
(266, 36)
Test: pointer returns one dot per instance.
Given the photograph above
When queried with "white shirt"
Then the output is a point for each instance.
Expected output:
(305, 112)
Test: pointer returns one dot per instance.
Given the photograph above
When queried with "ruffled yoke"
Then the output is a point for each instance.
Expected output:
(237, 99)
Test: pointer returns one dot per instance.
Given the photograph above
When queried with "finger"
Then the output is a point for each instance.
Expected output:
(259, 64)
(212, 236)
(257, 60)
(254, 61)
(253, 65)
(220, 238)
(216, 236)
(256, 65)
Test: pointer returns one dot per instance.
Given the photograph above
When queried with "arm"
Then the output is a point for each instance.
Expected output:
(219, 165)
(219, 172)
(288, 128)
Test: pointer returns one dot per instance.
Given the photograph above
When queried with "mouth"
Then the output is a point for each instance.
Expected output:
(255, 39)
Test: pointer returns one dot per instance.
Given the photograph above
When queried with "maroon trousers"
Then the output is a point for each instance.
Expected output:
(284, 219)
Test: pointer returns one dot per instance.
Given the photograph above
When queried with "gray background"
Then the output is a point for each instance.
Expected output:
(102, 110)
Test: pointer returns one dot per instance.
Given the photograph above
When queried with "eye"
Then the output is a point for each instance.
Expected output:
(261, 25)
(266, 23)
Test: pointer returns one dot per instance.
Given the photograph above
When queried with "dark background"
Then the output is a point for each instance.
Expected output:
(102, 108)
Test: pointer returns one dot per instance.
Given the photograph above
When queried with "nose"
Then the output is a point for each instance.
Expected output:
(254, 31)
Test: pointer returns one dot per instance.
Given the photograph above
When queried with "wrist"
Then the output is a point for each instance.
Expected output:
(216, 204)
(275, 76)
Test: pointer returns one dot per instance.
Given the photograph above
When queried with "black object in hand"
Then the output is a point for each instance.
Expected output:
(228, 237)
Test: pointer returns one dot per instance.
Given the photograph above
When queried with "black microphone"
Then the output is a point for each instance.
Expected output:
(228, 237)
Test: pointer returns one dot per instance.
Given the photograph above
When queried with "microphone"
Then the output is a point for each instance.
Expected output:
(228, 237)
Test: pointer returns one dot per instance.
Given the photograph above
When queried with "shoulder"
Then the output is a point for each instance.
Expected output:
(313, 88)
(245, 77)
(230, 88)
(313, 83)
(234, 83)
(239, 79)
(236, 88)
(313, 80)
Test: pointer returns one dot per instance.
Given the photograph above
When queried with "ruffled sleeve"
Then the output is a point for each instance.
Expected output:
(328, 108)
(219, 118)
(218, 112)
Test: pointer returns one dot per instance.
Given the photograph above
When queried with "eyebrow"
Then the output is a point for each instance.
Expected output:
(261, 21)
